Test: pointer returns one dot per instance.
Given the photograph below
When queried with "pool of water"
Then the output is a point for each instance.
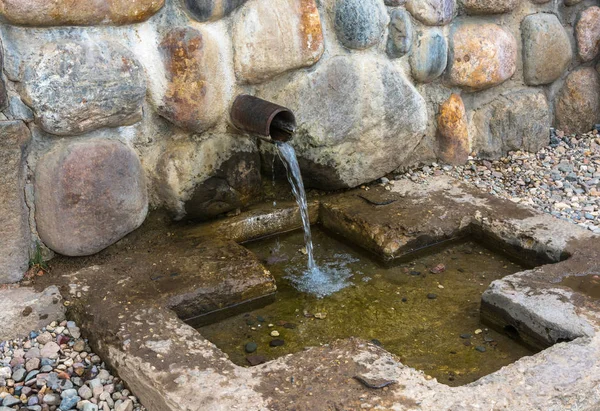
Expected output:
(425, 311)
(587, 284)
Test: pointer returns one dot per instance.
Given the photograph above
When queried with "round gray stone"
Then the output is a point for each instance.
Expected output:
(359, 24)
(430, 55)
(400, 34)
(547, 49)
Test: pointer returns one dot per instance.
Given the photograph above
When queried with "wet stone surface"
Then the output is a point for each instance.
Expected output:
(424, 319)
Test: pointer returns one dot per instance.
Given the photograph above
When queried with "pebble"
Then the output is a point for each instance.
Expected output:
(51, 370)
(251, 347)
(276, 343)
(465, 336)
(480, 348)
(432, 296)
(274, 333)
(562, 179)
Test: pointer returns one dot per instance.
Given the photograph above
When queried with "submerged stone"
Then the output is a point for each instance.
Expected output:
(256, 359)
(276, 343)
(251, 347)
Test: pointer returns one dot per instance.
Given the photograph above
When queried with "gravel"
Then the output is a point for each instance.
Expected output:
(562, 179)
(54, 369)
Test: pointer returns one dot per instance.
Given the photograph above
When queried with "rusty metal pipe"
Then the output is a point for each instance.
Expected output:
(267, 120)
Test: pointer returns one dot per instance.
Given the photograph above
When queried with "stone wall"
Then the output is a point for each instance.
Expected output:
(111, 108)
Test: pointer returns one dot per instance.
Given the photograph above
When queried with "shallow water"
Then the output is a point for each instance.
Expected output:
(587, 284)
(389, 305)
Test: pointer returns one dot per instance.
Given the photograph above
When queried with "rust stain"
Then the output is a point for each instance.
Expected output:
(310, 26)
(453, 132)
(183, 50)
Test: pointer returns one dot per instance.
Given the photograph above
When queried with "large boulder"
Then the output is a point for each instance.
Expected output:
(195, 94)
(577, 105)
(489, 6)
(519, 120)
(430, 55)
(547, 49)
(482, 55)
(358, 119)
(77, 87)
(453, 131)
(14, 230)
(77, 12)
(202, 179)
(210, 10)
(88, 195)
(587, 32)
(262, 51)
(432, 12)
(359, 24)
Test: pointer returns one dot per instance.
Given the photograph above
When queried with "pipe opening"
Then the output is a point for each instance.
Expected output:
(262, 118)
(283, 126)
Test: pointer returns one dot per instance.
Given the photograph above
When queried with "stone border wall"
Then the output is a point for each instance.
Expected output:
(112, 108)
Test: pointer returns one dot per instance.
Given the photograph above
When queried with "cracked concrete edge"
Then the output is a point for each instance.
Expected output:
(541, 316)
(23, 310)
(203, 378)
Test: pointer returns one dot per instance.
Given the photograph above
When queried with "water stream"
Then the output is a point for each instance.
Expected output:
(315, 280)
(287, 154)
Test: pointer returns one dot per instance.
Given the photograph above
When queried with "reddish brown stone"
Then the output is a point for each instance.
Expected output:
(453, 133)
(88, 195)
(77, 12)
(587, 33)
(483, 56)
(578, 103)
(194, 98)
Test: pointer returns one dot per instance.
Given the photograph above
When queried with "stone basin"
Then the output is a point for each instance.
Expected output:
(160, 275)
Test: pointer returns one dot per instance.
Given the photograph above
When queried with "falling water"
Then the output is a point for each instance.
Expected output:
(319, 281)
(288, 157)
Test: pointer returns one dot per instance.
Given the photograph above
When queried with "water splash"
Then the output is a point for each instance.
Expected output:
(319, 281)
(328, 278)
